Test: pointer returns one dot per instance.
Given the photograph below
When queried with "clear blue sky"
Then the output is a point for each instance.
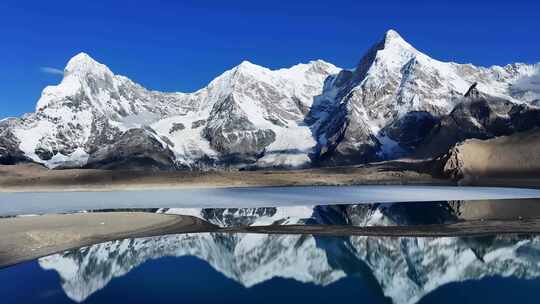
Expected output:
(182, 45)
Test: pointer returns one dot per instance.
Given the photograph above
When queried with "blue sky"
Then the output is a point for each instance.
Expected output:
(182, 45)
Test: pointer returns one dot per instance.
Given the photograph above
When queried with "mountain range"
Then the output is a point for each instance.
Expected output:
(397, 101)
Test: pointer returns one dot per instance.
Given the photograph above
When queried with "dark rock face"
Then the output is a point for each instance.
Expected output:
(348, 142)
(473, 92)
(9, 147)
(102, 134)
(343, 136)
(411, 129)
(482, 117)
(524, 117)
(177, 127)
(343, 78)
(198, 123)
(479, 116)
(135, 149)
(45, 154)
(233, 135)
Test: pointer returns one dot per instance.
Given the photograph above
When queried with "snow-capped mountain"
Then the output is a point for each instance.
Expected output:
(406, 269)
(393, 82)
(308, 114)
(96, 118)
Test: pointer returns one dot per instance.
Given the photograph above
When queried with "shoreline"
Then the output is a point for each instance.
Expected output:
(28, 178)
(31, 237)
(143, 187)
(34, 178)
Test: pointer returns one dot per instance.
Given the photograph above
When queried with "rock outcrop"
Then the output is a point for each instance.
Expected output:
(479, 116)
(515, 156)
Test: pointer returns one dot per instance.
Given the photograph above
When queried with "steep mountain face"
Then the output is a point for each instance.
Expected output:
(478, 116)
(309, 114)
(404, 269)
(9, 144)
(386, 103)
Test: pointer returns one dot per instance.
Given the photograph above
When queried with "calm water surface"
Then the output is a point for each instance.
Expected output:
(50, 202)
(261, 268)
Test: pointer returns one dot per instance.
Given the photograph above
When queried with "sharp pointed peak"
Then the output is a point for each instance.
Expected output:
(391, 49)
(392, 38)
(81, 57)
(83, 62)
(392, 34)
(319, 62)
(247, 64)
(248, 67)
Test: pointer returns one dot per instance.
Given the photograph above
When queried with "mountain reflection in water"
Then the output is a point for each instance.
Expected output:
(404, 269)
(374, 269)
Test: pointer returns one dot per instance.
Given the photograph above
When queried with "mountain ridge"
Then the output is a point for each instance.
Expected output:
(307, 115)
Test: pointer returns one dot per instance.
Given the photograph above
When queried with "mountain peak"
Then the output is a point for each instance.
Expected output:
(392, 34)
(393, 50)
(246, 63)
(246, 67)
(80, 59)
(82, 62)
(80, 71)
(320, 62)
(393, 39)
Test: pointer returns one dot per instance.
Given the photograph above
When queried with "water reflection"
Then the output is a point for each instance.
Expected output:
(405, 269)
(374, 214)
(402, 269)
